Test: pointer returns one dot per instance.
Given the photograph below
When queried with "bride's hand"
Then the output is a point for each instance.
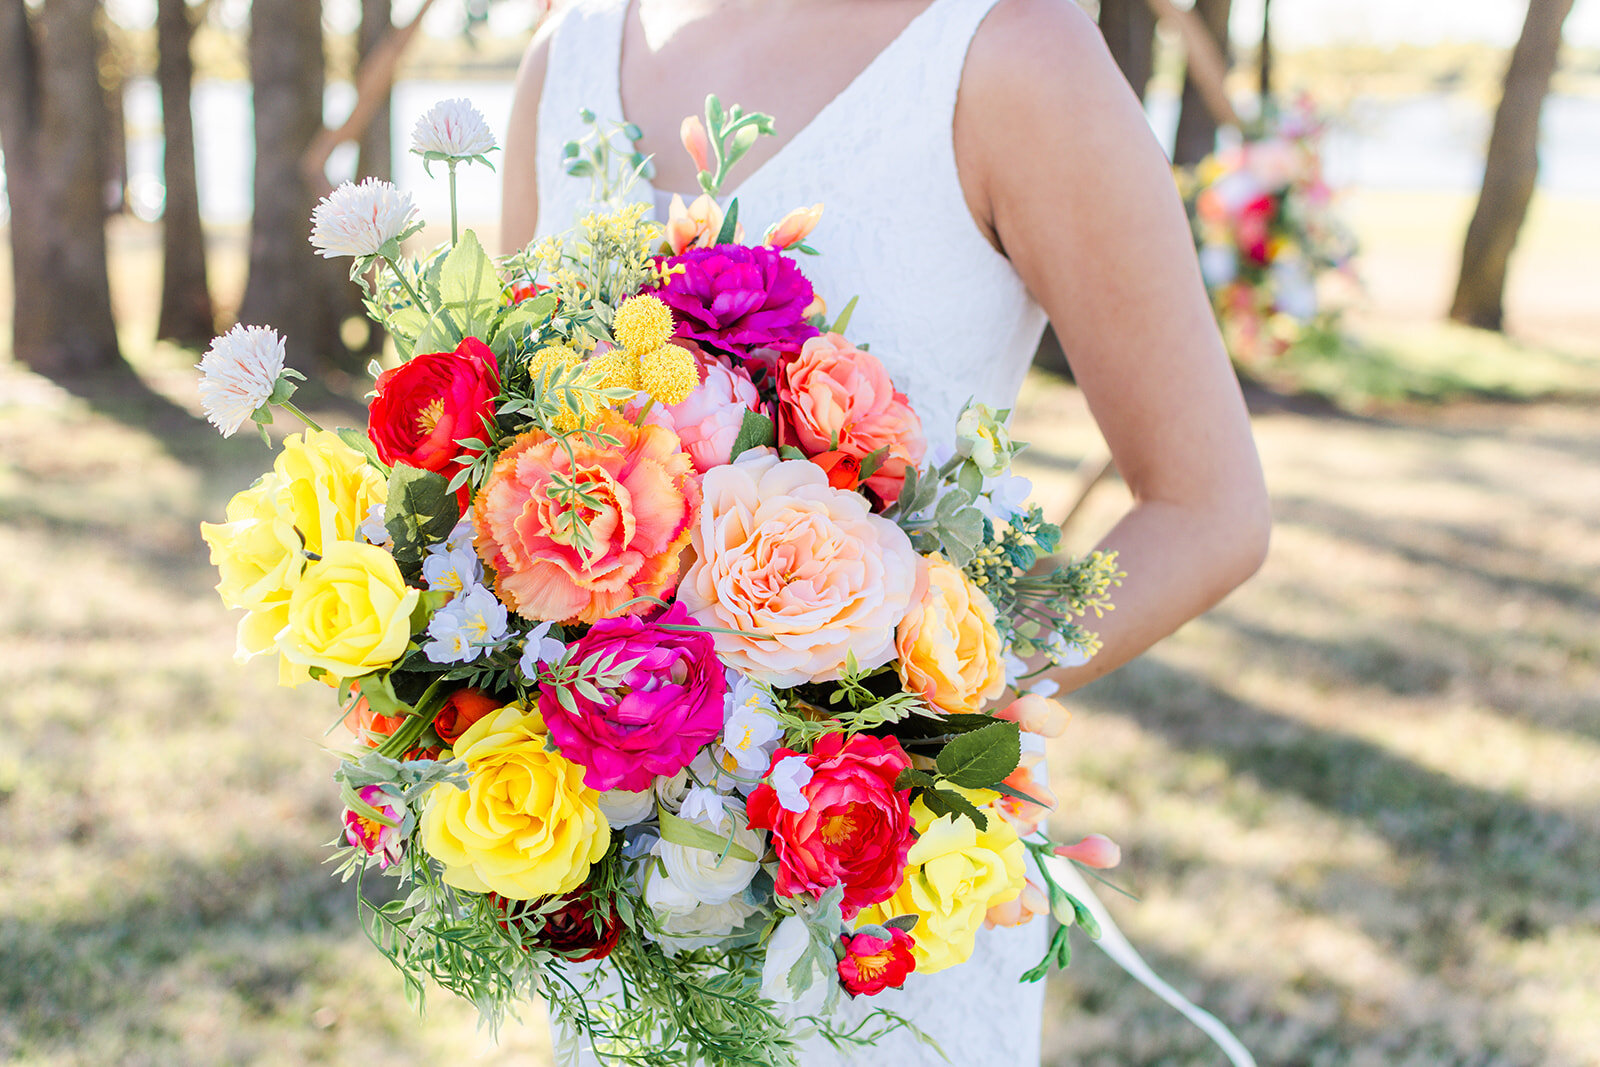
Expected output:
(1058, 162)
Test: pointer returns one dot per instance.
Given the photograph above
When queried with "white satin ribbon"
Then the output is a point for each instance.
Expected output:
(1114, 943)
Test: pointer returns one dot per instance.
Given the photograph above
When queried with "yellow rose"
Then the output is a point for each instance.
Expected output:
(331, 487)
(954, 874)
(257, 555)
(350, 613)
(526, 826)
(948, 646)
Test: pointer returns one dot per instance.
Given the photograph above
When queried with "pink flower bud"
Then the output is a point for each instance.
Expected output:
(1037, 715)
(794, 227)
(1096, 850)
(695, 142)
(1030, 902)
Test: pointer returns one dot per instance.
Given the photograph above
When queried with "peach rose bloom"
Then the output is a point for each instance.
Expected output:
(835, 397)
(647, 498)
(780, 552)
(948, 646)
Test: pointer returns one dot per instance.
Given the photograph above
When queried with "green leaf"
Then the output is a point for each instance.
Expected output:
(872, 461)
(469, 286)
(421, 511)
(756, 431)
(730, 224)
(982, 758)
(911, 778)
(528, 314)
(948, 802)
(691, 835)
(970, 479)
(907, 923)
(363, 444)
(841, 323)
(1017, 794)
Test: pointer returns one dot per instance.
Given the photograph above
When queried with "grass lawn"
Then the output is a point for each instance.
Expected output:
(1359, 802)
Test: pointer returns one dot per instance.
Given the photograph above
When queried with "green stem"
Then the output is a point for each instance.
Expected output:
(415, 299)
(297, 413)
(453, 227)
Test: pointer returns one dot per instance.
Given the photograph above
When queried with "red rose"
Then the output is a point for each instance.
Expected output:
(872, 964)
(427, 404)
(461, 709)
(856, 829)
(570, 931)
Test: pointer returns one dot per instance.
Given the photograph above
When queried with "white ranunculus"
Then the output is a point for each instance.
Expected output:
(687, 924)
(622, 808)
(358, 220)
(790, 941)
(238, 374)
(453, 128)
(707, 877)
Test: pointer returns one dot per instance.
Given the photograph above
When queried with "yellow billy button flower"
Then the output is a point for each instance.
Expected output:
(954, 874)
(616, 369)
(526, 826)
(350, 613)
(548, 360)
(643, 324)
(669, 374)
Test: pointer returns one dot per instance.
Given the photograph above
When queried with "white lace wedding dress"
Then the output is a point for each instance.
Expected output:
(944, 311)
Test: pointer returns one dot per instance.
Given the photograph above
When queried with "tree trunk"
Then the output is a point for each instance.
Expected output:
(1197, 126)
(376, 157)
(1129, 27)
(1510, 170)
(54, 128)
(290, 288)
(1264, 58)
(186, 312)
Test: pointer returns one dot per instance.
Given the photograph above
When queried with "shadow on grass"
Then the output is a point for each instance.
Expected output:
(1506, 850)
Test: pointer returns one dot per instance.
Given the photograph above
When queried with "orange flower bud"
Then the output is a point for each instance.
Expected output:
(794, 227)
(695, 142)
(1096, 850)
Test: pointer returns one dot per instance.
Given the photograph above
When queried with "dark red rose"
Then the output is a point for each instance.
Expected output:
(570, 931)
(872, 964)
(430, 402)
(461, 709)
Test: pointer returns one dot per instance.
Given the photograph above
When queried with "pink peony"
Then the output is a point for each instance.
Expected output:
(659, 714)
(855, 829)
(835, 398)
(780, 553)
(736, 298)
(708, 421)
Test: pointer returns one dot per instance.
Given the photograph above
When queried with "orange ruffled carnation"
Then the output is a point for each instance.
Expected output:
(646, 501)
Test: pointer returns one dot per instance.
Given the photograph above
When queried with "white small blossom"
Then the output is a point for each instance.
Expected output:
(452, 128)
(540, 649)
(1064, 654)
(787, 777)
(460, 537)
(451, 571)
(703, 804)
(358, 220)
(1004, 497)
(1045, 687)
(238, 374)
(373, 527)
(462, 628)
(751, 732)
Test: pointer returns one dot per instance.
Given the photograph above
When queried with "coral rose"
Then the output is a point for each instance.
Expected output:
(833, 397)
(855, 826)
(423, 407)
(872, 964)
(948, 646)
(526, 826)
(955, 874)
(461, 709)
(781, 553)
(658, 715)
(643, 500)
(737, 298)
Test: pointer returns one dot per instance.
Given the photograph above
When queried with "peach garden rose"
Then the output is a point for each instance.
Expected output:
(948, 645)
(781, 553)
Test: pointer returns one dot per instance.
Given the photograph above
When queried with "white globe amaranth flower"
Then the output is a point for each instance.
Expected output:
(454, 129)
(238, 375)
(358, 220)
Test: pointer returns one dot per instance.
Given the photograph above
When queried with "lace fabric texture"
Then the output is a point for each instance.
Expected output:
(945, 312)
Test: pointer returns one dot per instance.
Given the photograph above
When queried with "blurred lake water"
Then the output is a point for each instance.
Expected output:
(1432, 141)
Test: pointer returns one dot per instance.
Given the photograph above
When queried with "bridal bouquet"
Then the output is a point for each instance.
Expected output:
(660, 636)
(1266, 231)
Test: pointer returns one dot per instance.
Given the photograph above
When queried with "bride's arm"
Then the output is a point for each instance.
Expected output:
(1056, 155)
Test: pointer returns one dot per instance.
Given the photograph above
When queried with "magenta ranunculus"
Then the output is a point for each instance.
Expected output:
(737, 298)
(656, 718)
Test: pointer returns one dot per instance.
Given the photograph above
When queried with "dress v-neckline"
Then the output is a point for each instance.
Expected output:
(895, 44)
